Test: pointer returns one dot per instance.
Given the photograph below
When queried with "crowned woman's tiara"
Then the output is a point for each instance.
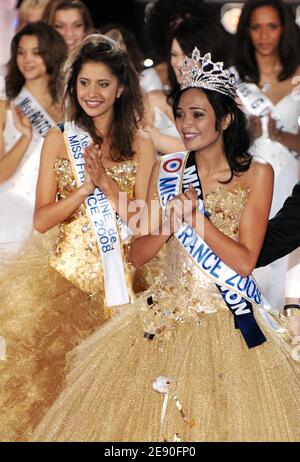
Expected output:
(202, 72)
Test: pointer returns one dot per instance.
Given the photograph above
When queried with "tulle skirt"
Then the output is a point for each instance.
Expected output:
(43, 317)
(226, 391)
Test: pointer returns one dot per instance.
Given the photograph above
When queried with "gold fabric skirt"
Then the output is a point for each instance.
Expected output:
(227, 391)
(43, 316)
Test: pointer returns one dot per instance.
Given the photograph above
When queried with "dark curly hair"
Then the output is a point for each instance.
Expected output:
(236, 136)
(128, 108)
(289, 53)
(52, 49)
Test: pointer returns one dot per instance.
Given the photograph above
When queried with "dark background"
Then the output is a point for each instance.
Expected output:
(130, 13)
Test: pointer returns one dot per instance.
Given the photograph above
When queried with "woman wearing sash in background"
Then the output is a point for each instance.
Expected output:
(200, 356)
(267, 62)
(29, 106)
(47, 309)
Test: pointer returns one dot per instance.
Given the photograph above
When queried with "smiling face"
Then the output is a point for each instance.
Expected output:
(70, 25)
(97, 89)
(196, 121)
(29, 60)
(265, 30)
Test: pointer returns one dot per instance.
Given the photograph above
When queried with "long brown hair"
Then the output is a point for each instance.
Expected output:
(288, 49)
(57, 5)
(127, 109)
(52, 49)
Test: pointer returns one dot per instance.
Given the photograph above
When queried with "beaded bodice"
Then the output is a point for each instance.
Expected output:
(184, 293)
(75, 253)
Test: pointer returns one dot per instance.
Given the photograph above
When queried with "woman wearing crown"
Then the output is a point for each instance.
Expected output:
(200, 356)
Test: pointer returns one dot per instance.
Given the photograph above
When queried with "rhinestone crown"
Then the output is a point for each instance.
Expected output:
(202, 72)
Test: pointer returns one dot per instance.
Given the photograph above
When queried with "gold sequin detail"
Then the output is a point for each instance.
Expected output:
(225, 208)
(75, 253)
(124, 175)
(233, 393)
(184, 294)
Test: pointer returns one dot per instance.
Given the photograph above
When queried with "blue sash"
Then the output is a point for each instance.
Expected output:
(241, 308)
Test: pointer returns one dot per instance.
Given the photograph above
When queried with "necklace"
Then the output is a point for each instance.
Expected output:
(266, 84)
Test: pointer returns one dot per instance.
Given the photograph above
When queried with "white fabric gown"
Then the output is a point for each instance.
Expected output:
(150, 80)
(17, 195)
(286, 112)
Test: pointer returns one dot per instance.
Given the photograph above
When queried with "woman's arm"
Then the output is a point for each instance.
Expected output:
(164, 144)
(289, 140)
(241, 256)
(10, 160)
(49, 213)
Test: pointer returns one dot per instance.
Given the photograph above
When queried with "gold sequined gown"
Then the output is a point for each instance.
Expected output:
(227, 391)
(46, 310)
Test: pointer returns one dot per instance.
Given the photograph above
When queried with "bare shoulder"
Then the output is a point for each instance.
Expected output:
(54, 134)
(260, 167)
(54, 143)
(260, 171)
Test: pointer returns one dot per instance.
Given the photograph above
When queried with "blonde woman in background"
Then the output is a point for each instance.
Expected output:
(30, 11)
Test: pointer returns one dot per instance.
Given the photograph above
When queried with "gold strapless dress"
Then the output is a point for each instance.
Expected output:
(227, 391)
(45, 315)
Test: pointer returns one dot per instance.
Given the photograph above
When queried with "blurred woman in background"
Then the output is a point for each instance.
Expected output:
(71, 18)
(30, 11)
(29, 106)
(266, 65)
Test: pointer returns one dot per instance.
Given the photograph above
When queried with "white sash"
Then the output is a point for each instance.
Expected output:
(234, 286)
(102, 217)
(39, 118)
(255, 103)
(253, 99)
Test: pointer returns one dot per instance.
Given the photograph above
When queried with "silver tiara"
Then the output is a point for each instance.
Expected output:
(204, 73)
